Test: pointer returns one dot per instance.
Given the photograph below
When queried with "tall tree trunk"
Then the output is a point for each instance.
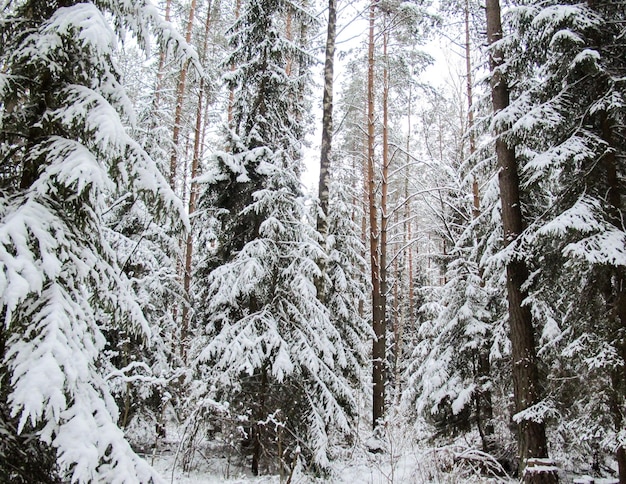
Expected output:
(180, 97)
(289, 36)
(384, 195)
(193, 190)
(526, 388)
(408, 224)
(178, 112)
(618, 376)
(231, 94)
(327, 119)
(378, 316)
(470, 104)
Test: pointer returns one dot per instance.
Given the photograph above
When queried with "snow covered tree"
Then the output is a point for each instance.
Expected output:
(270, 349)
(450, 381)
(65, 153)
(567, 115)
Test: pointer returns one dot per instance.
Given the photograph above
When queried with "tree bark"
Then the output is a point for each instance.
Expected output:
(378, 316)
(231, 93)
(531, 434)
(384, 195)
(470, 104)
(161, 68)
(327, 119)
(618, 377)
(193, 191)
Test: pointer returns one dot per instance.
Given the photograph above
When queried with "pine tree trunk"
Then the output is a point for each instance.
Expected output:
(408, 243)
(384, 216)
(531, 434)
(180, 97)
(231, 93)
(378, 315)
(327, 119)
(193, 192)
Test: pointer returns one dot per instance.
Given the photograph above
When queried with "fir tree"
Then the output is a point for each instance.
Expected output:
(270, 349)
(66, 152)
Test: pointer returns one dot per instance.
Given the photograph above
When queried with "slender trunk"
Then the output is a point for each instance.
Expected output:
(408, 243)
(365, 192)
(327, 119)
(180, 97)
(257, 428)
(178, 111)
(193, 191)
(231, 94)
(384, 217)
(531, 434)
(397, 322)
(161, 68)
(470, 104)
(289, 36)
(378, 322)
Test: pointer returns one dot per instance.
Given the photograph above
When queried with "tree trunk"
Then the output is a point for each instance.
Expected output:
(257, 428)
(470, 104)
(180, 97)
(618, 377)
(408, 243)
(327, 119)
(531, 434)
(384, 216)
(378, 315)
(231, 94)
(193, 191)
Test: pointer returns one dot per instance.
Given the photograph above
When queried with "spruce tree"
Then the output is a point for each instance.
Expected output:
(66, 153)
(568, 116)
(270, 349)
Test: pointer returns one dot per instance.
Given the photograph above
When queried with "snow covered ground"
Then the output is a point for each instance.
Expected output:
(402, 462)
(405, 457)
(406, 464)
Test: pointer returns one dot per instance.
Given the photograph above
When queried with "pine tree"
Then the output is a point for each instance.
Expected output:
(270, 349)
(66, 152)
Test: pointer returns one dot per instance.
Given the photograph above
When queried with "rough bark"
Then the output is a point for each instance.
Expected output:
(618, 377)
(526, 390)
(378, 316)
(327, 119)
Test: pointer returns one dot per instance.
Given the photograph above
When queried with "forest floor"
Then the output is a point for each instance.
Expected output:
(409, 468)
(402, 461)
